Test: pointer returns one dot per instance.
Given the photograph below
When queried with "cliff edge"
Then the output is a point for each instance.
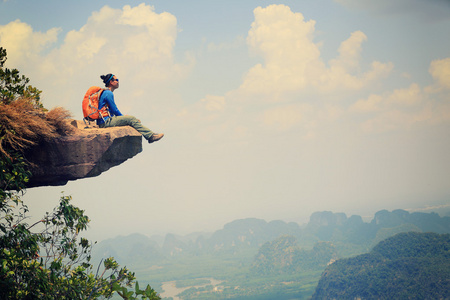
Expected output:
(87, 152)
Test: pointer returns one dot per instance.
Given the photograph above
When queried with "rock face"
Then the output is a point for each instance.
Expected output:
(88, 152)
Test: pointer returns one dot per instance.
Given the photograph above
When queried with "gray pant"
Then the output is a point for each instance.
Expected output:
(128, 121)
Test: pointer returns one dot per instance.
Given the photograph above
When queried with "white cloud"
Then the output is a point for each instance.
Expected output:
(371, 104)
(345, 71)
(284, 40)
(395, 119)
(349, 53)
(214, 103)
(405, 108)
(292, 89)
(292, 60)
(22, 43)
(157, 40)
(440, 71)
(126, 40)
(399, 98)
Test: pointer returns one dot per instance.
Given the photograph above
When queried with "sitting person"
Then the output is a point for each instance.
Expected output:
(115, 117)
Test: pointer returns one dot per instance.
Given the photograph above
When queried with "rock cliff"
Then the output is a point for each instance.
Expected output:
(87, 152)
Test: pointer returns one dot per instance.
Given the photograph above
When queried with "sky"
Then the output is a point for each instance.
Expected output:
(270, 109)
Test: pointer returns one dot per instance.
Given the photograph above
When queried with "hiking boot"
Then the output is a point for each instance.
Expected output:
(155, 137)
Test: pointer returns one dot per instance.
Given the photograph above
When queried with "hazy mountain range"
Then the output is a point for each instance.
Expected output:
(243, 234)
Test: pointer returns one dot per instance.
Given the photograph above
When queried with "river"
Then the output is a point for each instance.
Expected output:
(170, 289)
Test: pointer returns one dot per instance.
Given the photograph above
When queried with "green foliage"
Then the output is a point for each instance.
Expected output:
(407, 266)
(53, 262)
(14, 173)
(13, 85)
(414, 244)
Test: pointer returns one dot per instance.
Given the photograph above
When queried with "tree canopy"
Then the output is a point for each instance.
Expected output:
(408, 265)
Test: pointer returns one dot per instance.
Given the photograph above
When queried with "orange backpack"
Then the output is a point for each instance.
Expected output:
(91, 111)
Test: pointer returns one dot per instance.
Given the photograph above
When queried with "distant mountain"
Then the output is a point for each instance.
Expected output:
(284, 256)
(426, 222)
(235, 237)
(406, 266)
(131, 249)
(246, 233)
(328, 226)
(349, 235)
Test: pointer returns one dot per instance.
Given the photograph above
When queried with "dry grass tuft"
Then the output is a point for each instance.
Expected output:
(57, 117)
(23, 125)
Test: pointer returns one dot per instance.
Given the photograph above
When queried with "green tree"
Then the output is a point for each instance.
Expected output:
(13, 85)
(47, 259)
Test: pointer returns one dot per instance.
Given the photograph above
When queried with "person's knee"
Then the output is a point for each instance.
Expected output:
(133, 120)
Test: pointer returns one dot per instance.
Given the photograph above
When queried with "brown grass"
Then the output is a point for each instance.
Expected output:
(57, 117)
(23, 125)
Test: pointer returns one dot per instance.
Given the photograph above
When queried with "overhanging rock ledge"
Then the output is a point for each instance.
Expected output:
(87, 152)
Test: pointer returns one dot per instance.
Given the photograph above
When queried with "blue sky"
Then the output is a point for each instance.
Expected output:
(271, 109)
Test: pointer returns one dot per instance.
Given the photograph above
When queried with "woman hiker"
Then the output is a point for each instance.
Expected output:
(115, 117)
